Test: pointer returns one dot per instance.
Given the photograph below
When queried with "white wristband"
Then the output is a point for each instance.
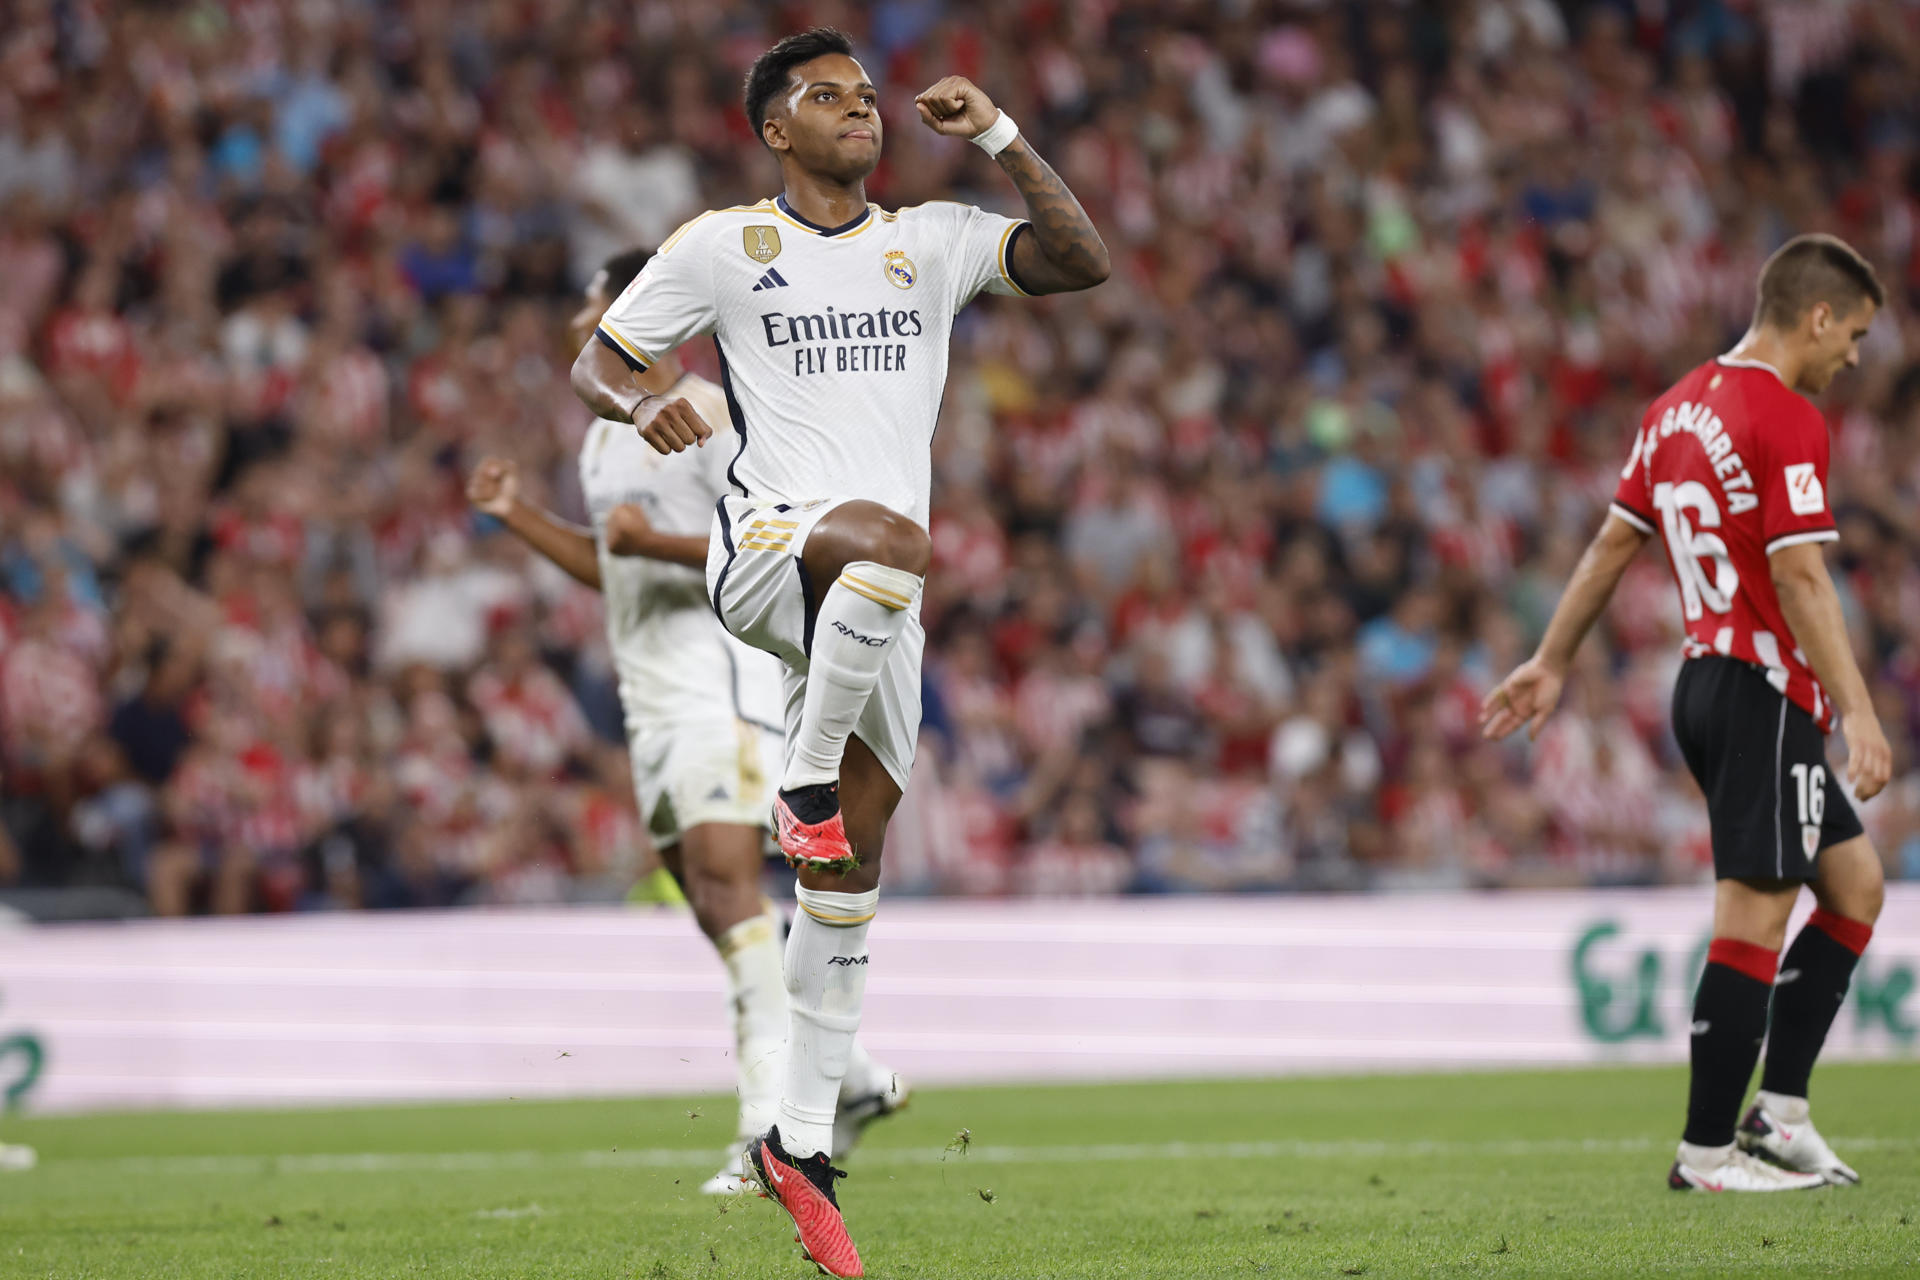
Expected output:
(996, 137)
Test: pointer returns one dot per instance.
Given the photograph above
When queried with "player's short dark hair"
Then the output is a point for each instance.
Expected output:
(1810, 269)
(621, 268)
(772, 69)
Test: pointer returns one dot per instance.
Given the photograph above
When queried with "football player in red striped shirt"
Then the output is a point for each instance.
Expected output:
(1729, 470)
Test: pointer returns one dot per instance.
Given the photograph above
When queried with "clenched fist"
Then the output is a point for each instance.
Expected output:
(494, 487)
(957, 107)
(629, 532)
(670, 426)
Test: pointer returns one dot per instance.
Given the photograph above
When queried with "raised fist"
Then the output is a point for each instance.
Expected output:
(629, 532)
(957, 107)
(494, 486)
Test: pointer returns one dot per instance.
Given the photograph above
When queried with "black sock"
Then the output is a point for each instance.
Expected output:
(1729, 1021)
(815, 802)
(1810, 990)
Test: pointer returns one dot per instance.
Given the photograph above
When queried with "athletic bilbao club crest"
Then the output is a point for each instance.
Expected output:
(899, 269)
(762, 243)
(1809, 840)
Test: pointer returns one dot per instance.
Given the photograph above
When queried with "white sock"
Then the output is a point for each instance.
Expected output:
(757, 994)
(826, 983)
(864, 1075)
(860, 620)
(1705, 1159)
(1782, 1107)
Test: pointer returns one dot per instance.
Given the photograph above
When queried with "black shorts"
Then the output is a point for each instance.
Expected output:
(1761, 760)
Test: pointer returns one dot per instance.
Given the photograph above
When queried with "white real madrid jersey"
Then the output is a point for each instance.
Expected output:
(677, 665)
(833, 340)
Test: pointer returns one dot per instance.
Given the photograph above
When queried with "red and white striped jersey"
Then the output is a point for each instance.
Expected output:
(1728, 467)
(49, 703)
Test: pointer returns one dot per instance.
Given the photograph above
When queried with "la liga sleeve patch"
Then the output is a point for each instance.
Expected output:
(1805, 497)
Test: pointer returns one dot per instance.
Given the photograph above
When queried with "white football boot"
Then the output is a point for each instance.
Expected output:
(1731, 1169)
(732, 1178)
(1778, 1129)
(861, 1107)
(15, 1158)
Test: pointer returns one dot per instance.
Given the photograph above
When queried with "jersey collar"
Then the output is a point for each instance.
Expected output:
(1750, 364)
(785, 210)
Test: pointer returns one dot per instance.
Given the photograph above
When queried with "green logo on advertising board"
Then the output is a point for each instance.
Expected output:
(1884, 999)
(1620, 992)
(21, 1058)
(1625, 1005)
(32, 1057)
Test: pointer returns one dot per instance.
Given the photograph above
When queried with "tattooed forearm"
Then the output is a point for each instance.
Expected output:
(1064, 251)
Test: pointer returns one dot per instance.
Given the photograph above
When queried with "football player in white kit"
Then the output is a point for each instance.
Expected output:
(702, 709)
(832, 318)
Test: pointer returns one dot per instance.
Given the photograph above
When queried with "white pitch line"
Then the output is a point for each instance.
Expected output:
(685, 1158)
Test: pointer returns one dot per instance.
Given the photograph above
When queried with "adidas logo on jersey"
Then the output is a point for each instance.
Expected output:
(771, 280)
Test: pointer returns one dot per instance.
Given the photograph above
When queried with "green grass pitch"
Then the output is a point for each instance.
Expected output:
(1544, 1173)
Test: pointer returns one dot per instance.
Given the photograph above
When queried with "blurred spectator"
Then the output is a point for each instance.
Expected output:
(628, 187)
(1076, 860)
(531, 720)
(151, 726)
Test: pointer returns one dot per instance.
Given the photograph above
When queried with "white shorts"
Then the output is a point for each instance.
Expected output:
(693, 774)
(763, 596)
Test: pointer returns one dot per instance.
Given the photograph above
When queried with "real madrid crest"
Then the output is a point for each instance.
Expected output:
(899, 269)
(761, 243)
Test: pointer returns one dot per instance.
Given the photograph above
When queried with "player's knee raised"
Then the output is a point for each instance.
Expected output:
(868, 531)
(902, 544)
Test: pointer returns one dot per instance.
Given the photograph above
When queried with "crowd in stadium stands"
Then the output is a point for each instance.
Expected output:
(1226, 551)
